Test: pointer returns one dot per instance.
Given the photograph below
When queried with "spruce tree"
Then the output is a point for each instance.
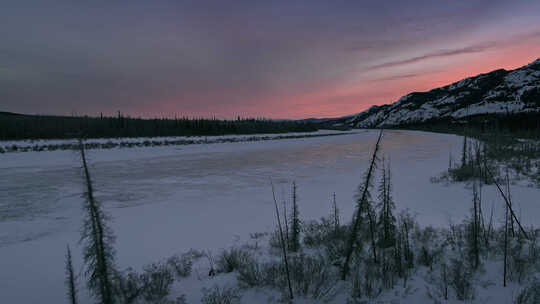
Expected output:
(408, 256)
(386, 220)
(336, 215)
(283, 245)
(286, 223)
(505, 261)
(475, 229)
(509, 196)
(97, 239)
(464, 153)
(362, 201)
(386, 226)
(372, 228)
(71, 280)
(295, 225)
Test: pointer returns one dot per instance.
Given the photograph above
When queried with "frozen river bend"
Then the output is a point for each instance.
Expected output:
(165, 200)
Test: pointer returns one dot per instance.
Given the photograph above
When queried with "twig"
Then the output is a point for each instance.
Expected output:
(282, 242)
(507, 203)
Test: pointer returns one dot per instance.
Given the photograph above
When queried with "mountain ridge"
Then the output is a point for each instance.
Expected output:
(497, 92)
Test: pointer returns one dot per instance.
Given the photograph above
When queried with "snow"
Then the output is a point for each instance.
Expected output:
(448, 99)
(514, 84)
(520, 77)
(403, 99)
(488, 107)
(168, 199)
(459, 84)
(43, 142)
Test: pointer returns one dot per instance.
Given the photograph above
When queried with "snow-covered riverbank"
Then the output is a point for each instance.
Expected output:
(39, 145)
(167, 199)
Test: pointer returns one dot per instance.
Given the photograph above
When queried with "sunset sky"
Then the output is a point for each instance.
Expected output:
(279, 59)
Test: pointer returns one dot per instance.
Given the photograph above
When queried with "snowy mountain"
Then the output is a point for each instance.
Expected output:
(499, 91)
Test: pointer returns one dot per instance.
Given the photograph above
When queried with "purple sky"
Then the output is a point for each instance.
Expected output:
(283, 59)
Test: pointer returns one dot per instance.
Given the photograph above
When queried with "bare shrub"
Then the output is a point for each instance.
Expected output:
(129, 286)
(529, 294)
(461, 279)
(324, 234)
(220, 295)
(256, 237)
(438, 280)
(256, 274)
(523, 257)
(365, 282)
(181, 265)
(157, 280)
(274, 241)
(429, 245)
(232, 259)
(312, 276)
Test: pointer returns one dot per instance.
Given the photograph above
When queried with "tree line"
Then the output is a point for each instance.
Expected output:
(17, 126)
(484, 126)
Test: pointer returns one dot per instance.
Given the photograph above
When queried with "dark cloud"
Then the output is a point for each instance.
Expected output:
(478, 48)
(437, 54)
(397, 77)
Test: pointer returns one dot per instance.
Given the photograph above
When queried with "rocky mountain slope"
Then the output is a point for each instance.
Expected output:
(499, 91)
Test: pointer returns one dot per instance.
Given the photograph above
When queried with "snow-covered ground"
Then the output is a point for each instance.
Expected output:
(56, 143)
(166, 200)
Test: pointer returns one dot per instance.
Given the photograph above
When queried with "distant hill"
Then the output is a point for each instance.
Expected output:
(10, 114)
(496, 95)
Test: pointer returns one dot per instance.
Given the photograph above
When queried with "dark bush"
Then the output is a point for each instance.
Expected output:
(232, 259)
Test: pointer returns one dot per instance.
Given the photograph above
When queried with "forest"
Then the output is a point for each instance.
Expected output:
(524, 125)
(17, 126)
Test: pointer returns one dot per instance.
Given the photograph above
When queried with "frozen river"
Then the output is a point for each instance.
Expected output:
(165, 200)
